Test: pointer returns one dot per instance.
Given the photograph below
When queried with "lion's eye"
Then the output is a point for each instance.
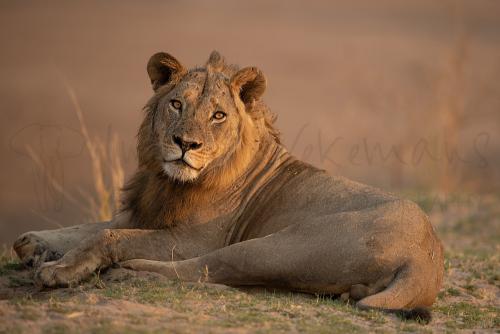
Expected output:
(219, 116)
(177, 105)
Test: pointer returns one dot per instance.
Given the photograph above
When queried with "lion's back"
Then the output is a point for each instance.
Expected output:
(299, 192)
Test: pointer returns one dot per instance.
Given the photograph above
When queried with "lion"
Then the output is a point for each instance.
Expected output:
(216, 197)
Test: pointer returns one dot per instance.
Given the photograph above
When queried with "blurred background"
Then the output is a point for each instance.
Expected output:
(403, 95)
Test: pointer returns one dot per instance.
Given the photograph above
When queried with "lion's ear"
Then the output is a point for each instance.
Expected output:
(249, 84)
(163, 68)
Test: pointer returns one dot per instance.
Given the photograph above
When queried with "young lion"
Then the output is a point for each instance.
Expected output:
(216, 197)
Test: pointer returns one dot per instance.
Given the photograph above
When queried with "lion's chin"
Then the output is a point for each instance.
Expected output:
(180, 171)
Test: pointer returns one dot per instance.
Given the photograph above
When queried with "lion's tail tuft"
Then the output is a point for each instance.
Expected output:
(420, 314)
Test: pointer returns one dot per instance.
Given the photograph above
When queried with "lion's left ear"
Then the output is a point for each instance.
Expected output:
(163, 68)
(249, 84)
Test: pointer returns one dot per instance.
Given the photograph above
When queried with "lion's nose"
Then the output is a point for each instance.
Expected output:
(186, 144)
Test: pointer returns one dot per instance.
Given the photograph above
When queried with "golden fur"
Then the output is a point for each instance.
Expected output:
(149, 189)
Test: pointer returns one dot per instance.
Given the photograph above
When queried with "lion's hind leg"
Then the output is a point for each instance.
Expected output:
(164, 268)
(401, 297)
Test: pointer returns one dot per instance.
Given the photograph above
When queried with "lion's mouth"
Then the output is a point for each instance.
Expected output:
(183, 162)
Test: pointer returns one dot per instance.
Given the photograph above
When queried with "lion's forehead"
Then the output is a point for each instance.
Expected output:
(191, 87)
(200, 86)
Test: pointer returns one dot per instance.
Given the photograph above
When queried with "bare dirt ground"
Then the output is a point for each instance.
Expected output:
(123, 301)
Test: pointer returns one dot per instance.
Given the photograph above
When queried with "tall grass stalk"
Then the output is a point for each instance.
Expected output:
(107, 169)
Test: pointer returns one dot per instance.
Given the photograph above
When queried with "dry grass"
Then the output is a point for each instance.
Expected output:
(106, 166)
(451, 102)
(107, 170)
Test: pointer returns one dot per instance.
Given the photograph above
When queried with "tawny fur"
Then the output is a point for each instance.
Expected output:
(221, 199)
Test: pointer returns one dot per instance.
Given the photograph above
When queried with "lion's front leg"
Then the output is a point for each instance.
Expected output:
(112, 246)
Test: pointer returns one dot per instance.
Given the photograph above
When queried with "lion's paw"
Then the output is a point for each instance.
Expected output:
(33, 249)
(51, 274)
(69, 270)
(54, 274)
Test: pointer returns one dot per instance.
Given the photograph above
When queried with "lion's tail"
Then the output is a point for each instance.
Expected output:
(420, 314)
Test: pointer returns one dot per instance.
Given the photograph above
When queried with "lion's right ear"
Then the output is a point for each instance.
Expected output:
(249, 84)
(163, 68)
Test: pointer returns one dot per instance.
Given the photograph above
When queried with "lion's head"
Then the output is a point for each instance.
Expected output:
(204, 123)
